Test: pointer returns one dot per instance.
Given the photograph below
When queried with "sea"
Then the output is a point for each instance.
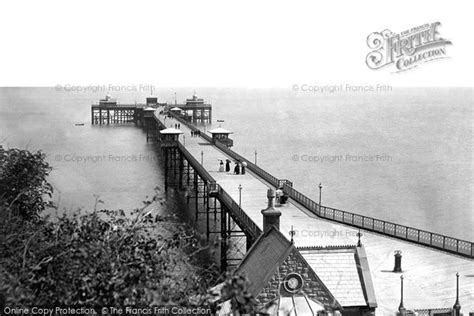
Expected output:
(402, 154)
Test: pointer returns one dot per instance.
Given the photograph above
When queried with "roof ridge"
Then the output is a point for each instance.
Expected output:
(326, 247)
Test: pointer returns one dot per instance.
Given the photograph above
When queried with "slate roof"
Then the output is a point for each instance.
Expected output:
(345, 272)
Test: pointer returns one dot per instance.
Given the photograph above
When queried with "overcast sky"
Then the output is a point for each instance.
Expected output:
(222, 43)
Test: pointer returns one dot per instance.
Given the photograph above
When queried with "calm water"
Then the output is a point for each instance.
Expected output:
(419, 140)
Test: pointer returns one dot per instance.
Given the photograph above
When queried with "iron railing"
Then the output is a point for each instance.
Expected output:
(407, 233)
(196, 165)
(242, 219)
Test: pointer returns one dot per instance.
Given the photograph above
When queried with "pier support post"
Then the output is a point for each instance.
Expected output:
(196, 192)
(223, 239)
(206, 199)
(166, 170)
(181, 167)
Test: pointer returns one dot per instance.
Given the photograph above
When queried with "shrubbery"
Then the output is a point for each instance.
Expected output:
(98, 258)
(23, 184)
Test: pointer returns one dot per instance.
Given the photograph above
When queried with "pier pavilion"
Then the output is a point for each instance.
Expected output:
(195, 110)
(221, 135)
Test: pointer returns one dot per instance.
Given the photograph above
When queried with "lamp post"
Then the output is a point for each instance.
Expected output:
(457, 306)
(240, 195)
(202, 157)
(401, 308)
(255, 157)
(320, 189)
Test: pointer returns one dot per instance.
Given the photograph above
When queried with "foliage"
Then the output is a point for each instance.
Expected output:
(99, 258)
(23, 184)
(235, 288)
(102, 258)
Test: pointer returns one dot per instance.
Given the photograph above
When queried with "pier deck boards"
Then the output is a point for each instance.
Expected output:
(430, 280)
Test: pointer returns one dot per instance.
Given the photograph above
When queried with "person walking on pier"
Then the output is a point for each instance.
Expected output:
(278, 195)
(244, 164)
(221, 166)
(227, 165)
(237, 168)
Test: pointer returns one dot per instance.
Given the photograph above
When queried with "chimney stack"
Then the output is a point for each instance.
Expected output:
(271, 216)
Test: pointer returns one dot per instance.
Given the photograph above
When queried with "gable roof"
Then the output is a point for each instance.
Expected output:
(262, 259)
(345, 271)
(266, 256)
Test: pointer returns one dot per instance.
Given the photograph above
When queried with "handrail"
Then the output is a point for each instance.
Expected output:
(244, 221)
(195, 164)
(240, 217)
(438, 241)
(458, 246)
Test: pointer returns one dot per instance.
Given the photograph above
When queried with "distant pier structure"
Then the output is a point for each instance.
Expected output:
(195, 110)
(108, 111)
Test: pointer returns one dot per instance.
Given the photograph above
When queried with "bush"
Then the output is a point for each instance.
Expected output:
(23, 184)
(99, 259)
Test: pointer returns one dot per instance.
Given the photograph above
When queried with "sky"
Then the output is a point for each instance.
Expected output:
(222, 43)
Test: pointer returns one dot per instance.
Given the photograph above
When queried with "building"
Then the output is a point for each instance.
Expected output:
(196, 110)
(288, 280)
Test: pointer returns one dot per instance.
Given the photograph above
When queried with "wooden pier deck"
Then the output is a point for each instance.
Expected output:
(429, 275)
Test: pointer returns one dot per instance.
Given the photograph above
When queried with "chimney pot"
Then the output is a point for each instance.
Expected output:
(271, 216)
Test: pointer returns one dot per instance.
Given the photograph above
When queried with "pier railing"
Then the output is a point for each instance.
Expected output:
(239, 216)
(196, 165)
(242, 219)
(251, 166)
(422, 237)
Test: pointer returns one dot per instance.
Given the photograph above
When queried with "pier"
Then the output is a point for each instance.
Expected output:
(232, 207)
